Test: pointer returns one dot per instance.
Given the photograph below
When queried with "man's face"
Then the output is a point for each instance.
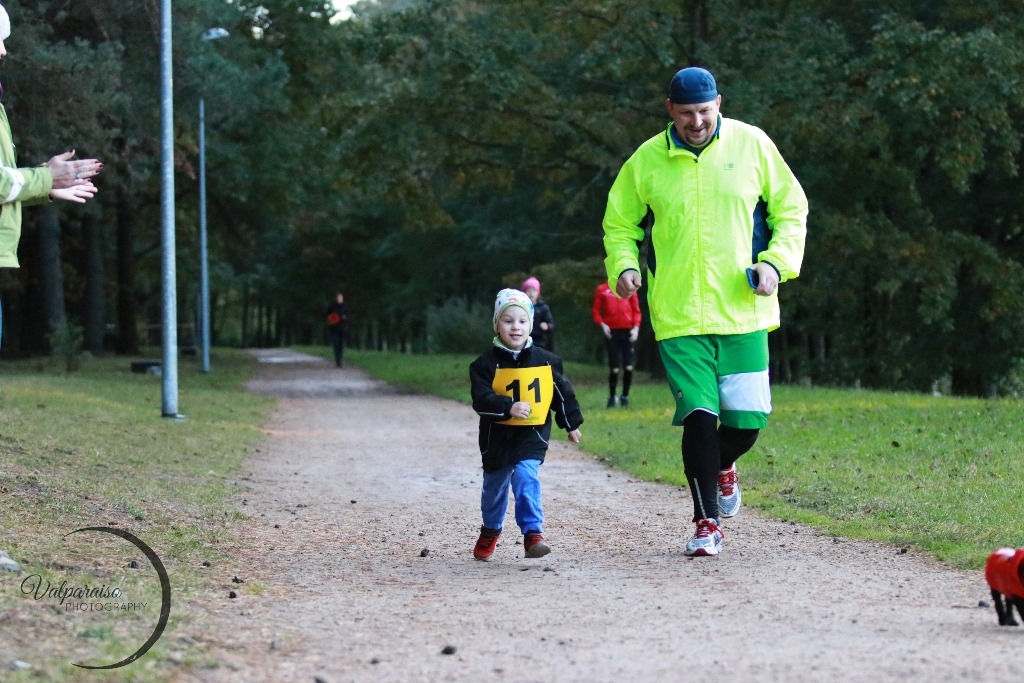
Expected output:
(695, 123)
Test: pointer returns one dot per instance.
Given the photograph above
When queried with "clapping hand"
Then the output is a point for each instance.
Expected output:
(76, 193)
(72, 173)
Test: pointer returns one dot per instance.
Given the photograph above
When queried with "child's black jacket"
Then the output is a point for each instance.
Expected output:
(503, 445)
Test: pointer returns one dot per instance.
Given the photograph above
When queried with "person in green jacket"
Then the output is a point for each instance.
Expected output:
(62, 177)
(729, 226)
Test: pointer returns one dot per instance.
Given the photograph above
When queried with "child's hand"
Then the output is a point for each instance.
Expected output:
(574, 436)
(520, 410)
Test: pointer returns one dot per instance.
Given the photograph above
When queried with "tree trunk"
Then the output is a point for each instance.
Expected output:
(213, 318)
(260, 320)
(245, 316)
(51, 277)
(699, 32)
(819, 348)
(783, 367)
(127, 309)
(281, 334)
(965, 382)
(95, 306)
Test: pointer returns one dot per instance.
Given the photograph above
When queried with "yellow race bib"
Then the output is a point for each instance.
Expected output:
(532, 385)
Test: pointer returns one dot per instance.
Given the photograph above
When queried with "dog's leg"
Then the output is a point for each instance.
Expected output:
(1019, 604)
(1002, 611)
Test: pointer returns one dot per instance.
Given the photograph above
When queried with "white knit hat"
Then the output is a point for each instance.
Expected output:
(5, 24)
(512, 297)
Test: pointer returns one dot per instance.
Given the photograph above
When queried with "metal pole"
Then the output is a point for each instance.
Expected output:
(204, 263)
(204, 268)
(169, 367)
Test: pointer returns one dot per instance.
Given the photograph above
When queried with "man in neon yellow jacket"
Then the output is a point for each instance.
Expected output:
(62, 177)
(729, 226)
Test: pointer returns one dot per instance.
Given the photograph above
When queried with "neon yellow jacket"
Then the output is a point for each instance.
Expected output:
(18, 186)
(707, 229)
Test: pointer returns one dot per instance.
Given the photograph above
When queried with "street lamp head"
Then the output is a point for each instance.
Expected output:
(215, 33)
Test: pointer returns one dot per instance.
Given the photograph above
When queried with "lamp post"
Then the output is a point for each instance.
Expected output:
(204, 268)
(169, 336)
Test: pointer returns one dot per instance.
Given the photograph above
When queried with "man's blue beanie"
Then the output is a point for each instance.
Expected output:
(692, 85)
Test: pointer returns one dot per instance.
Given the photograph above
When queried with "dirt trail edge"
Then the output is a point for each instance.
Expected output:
(364, 505)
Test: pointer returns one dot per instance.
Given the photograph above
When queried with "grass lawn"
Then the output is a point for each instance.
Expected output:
(938, 473)
(90, 449)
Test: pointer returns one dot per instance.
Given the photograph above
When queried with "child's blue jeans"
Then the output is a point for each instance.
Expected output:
(525, 483)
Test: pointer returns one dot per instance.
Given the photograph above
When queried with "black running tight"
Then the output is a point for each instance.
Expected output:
(708, 449)
(613, 380)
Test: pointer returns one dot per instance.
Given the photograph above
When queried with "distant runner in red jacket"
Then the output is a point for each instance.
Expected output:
(619, 320)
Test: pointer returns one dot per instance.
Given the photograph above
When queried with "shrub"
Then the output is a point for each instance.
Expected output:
(459, 326)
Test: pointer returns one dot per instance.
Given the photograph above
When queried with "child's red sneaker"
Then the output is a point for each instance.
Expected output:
(486, 544)
(535, 545)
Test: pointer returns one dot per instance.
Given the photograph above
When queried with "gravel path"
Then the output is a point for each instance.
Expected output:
(364, 506)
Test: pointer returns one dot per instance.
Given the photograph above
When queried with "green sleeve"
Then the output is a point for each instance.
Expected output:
(622, 217)
(787, 215)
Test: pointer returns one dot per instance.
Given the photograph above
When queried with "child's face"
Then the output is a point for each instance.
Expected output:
(514, 327)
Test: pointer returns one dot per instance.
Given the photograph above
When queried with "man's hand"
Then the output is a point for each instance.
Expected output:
(67, 173)
(628, 284)
(607, 331)
(768, 279)
(634, 332)
(574, 436)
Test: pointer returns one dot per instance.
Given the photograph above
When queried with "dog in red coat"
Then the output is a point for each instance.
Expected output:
(1004, 572)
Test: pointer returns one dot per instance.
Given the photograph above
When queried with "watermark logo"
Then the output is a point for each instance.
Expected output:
(103, 598)
(39, 588)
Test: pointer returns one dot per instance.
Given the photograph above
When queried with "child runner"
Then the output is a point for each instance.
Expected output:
(515, 387)
(543, 333)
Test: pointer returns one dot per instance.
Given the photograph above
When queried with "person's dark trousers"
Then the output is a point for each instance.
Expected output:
(620, 354)
(613, 380)
(338, 342)
(627, 381)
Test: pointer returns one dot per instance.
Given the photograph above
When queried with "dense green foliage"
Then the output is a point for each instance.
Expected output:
(424, 153)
